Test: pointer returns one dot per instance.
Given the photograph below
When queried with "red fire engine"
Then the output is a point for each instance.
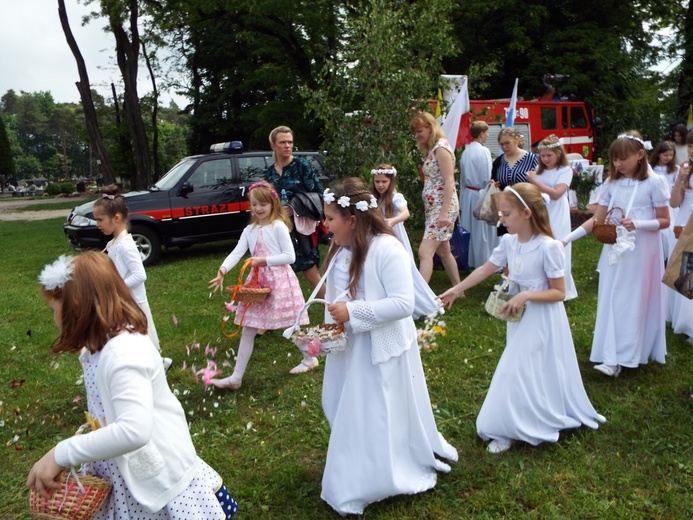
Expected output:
(571, 121)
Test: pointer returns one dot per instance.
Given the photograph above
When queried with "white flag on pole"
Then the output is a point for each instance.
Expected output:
(510, 115)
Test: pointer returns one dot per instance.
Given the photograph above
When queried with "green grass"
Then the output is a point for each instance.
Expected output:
(269, 439)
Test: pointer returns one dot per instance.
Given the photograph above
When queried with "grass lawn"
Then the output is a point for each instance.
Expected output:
(269, 440)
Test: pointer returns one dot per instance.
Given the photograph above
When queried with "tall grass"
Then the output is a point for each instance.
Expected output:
(269, 439)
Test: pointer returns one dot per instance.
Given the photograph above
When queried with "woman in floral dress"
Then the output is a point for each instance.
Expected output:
(439, 194)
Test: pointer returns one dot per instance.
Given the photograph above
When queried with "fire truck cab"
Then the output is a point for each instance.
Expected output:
(571, 121)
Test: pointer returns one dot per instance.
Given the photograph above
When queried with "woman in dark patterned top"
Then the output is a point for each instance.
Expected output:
(291, 175)
(514, 164)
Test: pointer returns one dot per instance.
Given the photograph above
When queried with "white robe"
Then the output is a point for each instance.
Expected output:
(668, 239)
(537, 389)
(475, 173)
(383, 433)
(680, 308)
(630, 325)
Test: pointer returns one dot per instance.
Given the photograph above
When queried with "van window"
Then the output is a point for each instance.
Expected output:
(564, 117)
(252, 168)
(548, 118)
(577, 117)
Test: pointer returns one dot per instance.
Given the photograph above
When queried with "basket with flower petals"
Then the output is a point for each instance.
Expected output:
(321, 339)
(605, 230)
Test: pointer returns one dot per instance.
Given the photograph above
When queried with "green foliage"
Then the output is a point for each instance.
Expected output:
(56, 188)
(390, 62)
(7, 168)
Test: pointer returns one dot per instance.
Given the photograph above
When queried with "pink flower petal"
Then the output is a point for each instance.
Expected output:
(175, 320)
(77, 399)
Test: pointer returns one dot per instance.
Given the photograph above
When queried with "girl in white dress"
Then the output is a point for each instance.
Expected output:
(111, 215)
(630, 325)
(139, 439)
(553, 177)
(664, 163)
(268, 238)
(383, 437)
(536, 390)
(680, 307)
(394, 208)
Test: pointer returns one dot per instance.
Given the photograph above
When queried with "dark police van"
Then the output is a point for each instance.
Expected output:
(203, 198)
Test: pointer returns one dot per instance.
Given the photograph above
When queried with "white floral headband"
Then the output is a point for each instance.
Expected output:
(557, 144)
(345, 201)
(384, 171)
(56, 275)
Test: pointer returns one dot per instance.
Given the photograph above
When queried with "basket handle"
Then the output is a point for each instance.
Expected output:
(289, 332)
(245, 265)
(67, 481)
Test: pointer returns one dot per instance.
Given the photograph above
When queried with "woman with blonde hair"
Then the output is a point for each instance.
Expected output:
(439, 194)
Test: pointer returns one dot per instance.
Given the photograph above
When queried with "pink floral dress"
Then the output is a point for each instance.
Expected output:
(284, 302)
(433, 189)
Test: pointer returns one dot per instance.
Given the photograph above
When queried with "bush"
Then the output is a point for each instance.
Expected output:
(56, 188)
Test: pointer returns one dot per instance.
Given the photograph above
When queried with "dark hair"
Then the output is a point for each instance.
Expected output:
(385, 200)
(664, 146)
(367, 224)
(112, 201)
(477, 127)
(96, 305)
(681, 130)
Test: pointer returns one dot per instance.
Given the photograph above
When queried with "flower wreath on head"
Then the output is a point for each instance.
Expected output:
(345, 201)
(384, 171)
(549, 146)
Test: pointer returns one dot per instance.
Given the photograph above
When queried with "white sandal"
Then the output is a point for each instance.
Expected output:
(304, 367)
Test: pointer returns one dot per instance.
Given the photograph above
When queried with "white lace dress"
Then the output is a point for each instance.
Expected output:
(537, 389)
(384, 437)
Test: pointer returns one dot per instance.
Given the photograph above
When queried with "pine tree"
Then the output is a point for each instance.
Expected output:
(7, 169)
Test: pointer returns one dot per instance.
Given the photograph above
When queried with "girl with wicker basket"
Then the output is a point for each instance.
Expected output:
(267, 236)
(553, 177)
(536, 390)
(630, 326)
(139, 440)
(383, 437)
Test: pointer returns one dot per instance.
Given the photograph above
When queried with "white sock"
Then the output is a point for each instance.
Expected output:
(245, 350)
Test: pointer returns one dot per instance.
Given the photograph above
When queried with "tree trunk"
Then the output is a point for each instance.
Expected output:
(124, 144)
(155, 112)
(84, 88)
(127, 52)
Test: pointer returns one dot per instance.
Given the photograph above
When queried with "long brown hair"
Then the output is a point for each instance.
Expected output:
(367, 224)
(664, 146)
(534, 200)
(623, 147)
(265, 193)
(96, 305)
(385, 200)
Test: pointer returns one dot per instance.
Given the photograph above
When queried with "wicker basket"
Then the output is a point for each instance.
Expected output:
(500, 296)
(331, 336)
(677, 231)
(605, 230)
(79, 498)
(251, 291)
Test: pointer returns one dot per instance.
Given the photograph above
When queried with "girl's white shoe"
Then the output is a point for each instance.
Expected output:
(226, 383)
(304, 366)
(496, 446)
(608, 370)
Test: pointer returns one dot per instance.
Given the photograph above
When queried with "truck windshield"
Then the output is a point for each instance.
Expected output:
(171, 178)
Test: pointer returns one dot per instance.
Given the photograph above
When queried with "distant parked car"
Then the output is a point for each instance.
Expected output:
(201, 199)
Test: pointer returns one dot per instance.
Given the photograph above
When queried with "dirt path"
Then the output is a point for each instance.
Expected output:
(8, 209)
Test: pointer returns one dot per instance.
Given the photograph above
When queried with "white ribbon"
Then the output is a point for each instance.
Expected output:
(625, 241)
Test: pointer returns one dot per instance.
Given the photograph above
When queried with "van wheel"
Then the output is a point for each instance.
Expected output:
(148, 244)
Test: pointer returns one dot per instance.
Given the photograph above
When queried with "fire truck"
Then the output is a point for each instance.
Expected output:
(571, 121)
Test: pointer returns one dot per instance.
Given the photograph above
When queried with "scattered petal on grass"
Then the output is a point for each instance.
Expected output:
(175, 320)
(13, 347)
(15, 438)
(77, 399)
(18, 447)
(2, 424)
(303, 403)
(80, 381)
(15, 383)
(248, 426)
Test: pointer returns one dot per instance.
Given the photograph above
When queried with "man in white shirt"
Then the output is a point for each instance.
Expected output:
(475, 174)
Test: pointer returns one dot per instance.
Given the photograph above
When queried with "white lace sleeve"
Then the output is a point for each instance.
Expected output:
(362, 316)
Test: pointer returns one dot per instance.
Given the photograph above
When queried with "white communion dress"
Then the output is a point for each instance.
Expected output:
(384, 438)
(536, 390)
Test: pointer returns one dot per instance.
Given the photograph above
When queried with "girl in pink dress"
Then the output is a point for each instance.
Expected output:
(267, 236)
